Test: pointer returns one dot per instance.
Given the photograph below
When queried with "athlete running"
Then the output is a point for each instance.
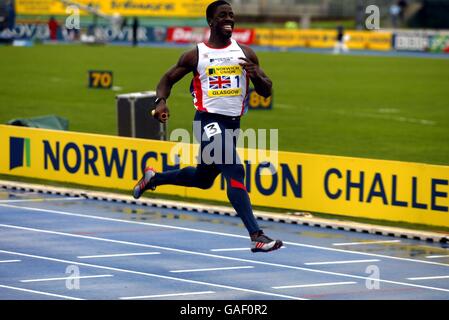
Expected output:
(222, 69)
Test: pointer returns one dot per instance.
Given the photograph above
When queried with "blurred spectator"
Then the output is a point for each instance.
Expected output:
(91, 29)
(95, 20)
(340, 45)
(10, 14)
(72, 34)
(291, 25)
(116, 22)
(359, 15)
(403, 6)
(135, 28)
(124, 23)
(53, 26)
(395, 10)
(2, 16)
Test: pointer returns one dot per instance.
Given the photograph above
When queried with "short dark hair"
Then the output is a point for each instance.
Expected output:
(211, 8)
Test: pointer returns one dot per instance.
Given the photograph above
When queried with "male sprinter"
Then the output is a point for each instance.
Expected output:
(221, 71)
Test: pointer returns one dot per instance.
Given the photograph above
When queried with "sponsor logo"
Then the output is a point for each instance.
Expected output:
(413, 43)
(226, 59)
(19, 152)
(196, 35)
(225, 92)
(224, 70)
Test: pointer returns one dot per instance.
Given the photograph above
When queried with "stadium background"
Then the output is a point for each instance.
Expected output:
(371, 103)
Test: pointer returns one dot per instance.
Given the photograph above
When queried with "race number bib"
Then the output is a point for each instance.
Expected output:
(224, 81)
(212, 129)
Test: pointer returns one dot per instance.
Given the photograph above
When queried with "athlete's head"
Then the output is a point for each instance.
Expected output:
(220, 18)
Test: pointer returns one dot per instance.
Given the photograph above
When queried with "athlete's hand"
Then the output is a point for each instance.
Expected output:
(250, 67)
(161, 112)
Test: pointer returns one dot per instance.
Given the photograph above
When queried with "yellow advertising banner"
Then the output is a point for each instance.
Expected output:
(366, 40)
(316, 38)
(276, 37)
(377, 189)
(155, 8)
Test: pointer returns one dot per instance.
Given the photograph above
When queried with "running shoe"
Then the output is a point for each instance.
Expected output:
(144, 183)
(261, 243)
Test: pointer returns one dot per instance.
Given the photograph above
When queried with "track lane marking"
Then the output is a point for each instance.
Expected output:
(152, 275)
(214, 256)
(67, 278)
(437, 256)
(118, 255)
(40, 292)
(42, 200)
(364, 242)
(429, 278)
(221, 234)
(230, 249)
(325, 284)
(236, 249)
(340, 262)
(211, 269)
(9, 261)
(167, 295)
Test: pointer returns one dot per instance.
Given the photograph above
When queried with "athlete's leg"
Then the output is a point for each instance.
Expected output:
(202, 176)
(238, 196)
(234, 174)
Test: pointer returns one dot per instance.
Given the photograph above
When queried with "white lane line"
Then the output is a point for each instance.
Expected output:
(40, 292)
(27, 193)
(207, 255)
(42, 199)
(230, 249)
(315, 285)
(437, 256)
(429, 278)
(65, 213)
(153, 275)
(236, 249)
(212, 269)
(340, 262)
(9, 261)
(221, 234)
(364, 242)
(66, 278)
(119, 255)
(167, 295)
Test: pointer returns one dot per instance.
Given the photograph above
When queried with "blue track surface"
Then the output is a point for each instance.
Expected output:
(53, 247)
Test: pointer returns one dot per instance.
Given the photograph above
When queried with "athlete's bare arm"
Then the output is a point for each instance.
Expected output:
(186, 64)
(262, 84)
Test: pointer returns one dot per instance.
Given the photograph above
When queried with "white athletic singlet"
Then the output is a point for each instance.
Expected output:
(220, 84)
